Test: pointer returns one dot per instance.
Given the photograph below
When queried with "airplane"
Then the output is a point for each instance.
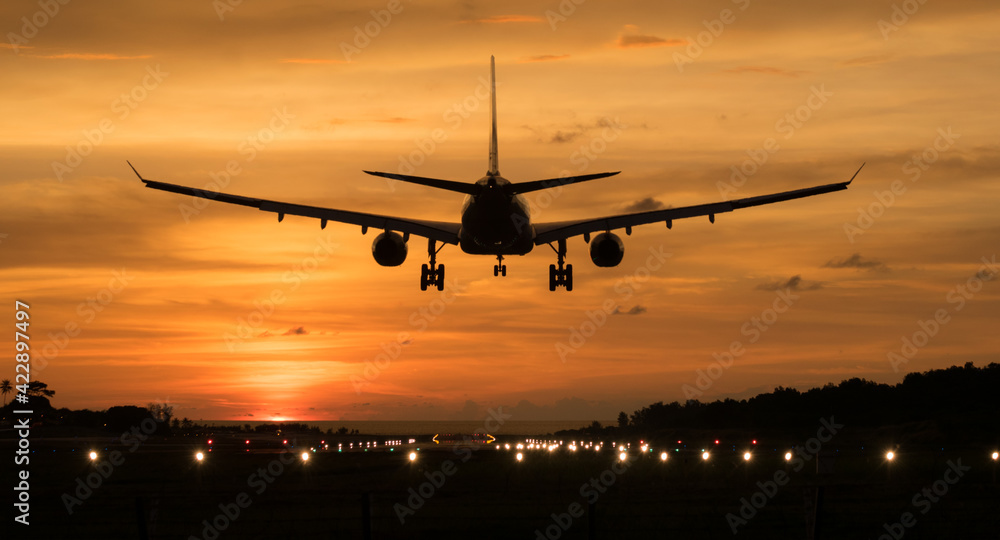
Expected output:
(495, 218)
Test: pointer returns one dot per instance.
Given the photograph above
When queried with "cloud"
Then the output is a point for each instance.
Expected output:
(857, 261)
(795, 283)
(767, 70)
(570, 408)
(89, 56)
(469, 412)
(500, 19)
(644, 205)
(634, 310)
(866, 60)
(544, 58)
(632, 38)
(298, 331)
(565, 134)
(312, 61)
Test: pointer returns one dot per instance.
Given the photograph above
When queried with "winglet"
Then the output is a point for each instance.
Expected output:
(135, 171)
(856, 173)
(494, 164)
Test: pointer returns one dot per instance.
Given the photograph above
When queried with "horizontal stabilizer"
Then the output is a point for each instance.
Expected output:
(535, 185)
(450, 185)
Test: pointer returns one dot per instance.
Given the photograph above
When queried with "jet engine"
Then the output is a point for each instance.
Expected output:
(606, 249)
(389, 249)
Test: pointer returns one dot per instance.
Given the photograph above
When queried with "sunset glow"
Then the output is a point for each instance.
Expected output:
(139, 296)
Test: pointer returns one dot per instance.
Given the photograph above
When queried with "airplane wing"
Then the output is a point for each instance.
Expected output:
(435, 230)
(551, 232)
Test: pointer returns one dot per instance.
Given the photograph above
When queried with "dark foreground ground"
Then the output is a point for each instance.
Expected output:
(159, 491)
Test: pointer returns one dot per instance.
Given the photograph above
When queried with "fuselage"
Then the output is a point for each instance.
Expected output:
(495, 222)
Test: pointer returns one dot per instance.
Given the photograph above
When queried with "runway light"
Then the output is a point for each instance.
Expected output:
(199, 456)
(519, 456)
(890, 455)
(93, 455)
(663, 456)
(788, 456)
(746, 456)
(995, 456)
(716, 441)
(622, 456)
(413, 456)
(210, 441)
(704, 455)
(506, 447)
(305, 456)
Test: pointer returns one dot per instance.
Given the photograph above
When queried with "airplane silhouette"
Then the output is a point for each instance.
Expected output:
(495, 218)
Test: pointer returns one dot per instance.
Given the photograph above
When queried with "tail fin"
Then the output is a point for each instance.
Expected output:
(494, 164)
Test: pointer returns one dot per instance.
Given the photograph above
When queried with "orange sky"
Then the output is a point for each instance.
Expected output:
(299, 103)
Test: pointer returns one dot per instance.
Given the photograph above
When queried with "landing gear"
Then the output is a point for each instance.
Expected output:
(500, 269)
(433, 274)
(560, 276)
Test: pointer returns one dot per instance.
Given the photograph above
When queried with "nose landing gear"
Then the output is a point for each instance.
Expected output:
(500, 269)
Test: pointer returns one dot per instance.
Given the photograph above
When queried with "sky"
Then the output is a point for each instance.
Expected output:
(138, 295)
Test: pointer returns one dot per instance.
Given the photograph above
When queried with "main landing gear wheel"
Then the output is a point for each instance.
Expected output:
(560, 276)
(500, 269)
(432, 275)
